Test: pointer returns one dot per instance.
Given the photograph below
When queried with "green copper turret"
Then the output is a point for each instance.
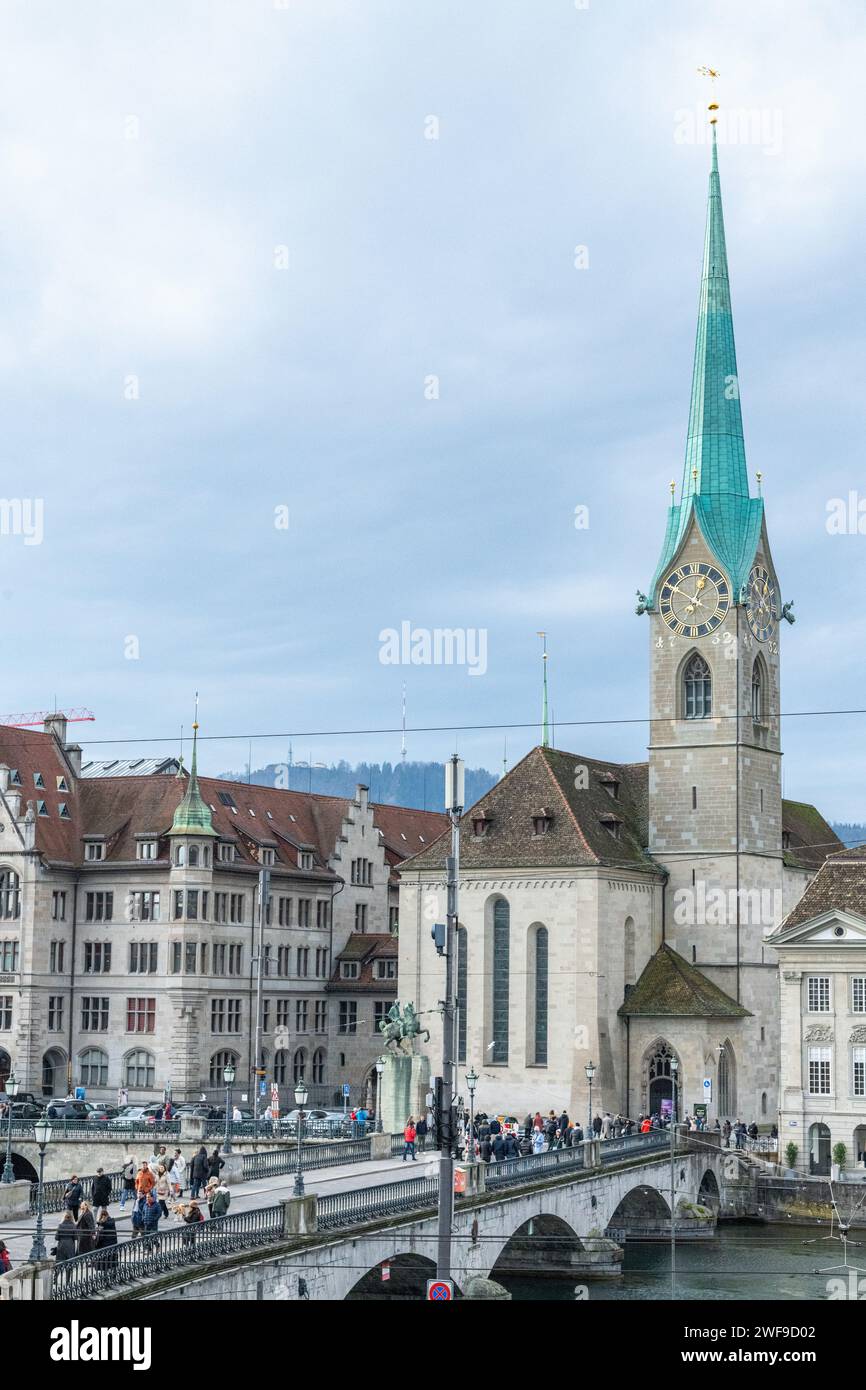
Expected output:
(193, 816)
(715, 487)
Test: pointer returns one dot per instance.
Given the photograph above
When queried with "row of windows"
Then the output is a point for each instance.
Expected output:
(95, 1012)
(697, 695)
(819, 998)
(362, 872)
(139, 1067)
(499, 987)
(382, 970)
(820, 1061)
(185, 957)
(187, 905)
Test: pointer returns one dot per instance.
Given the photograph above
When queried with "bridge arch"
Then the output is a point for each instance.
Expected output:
(406, 1278)
(545, 1244)
(23, 1168)
(642, 1211)
(708, 1192)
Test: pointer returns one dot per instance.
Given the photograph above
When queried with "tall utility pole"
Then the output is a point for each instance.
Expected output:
(264, 891)
(454, 793)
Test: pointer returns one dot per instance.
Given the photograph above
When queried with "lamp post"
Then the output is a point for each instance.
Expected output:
(471, 1082)
(380, 1068)
(229, 1079)
(590, 1073)
(300, 1102)
(11, 1091)
(675, 1066)
(42, 1130)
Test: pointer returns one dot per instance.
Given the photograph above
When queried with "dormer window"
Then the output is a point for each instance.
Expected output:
(349, 970)
(267, 856)
(226, 854)
(786, 839)
(613, 826)
(62, 784)
(610, 784)
(41, 808)
(305, 859)
(15, 777)
(145, 849)
(94, 851)
(227, 800)
(541, 823)
(63, 811)
(38, 779)
(480, 825)
(386, 970)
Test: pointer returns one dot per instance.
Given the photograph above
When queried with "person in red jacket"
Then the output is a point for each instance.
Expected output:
(409, 1135)
(646, 1125)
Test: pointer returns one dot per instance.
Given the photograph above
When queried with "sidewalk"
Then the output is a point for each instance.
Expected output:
(246, 1196)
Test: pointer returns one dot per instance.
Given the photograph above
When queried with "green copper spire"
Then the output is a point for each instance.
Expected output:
(193, 816)
(715, 486)
(545, 719)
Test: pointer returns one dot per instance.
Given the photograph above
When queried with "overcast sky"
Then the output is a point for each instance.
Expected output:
(232, 260)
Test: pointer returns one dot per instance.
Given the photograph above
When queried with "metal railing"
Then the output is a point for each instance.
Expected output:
(397, 1142)
(97, 1129)
(369, 1203)
(53, 1190)
(614, 1149)
(272, 1162)
(283, 1129)
(510, 1171)
(84, 1276)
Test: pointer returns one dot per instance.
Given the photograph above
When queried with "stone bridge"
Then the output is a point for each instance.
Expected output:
(568, 1213)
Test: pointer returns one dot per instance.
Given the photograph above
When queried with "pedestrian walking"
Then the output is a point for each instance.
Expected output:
(498, 1146)
(596, 1126)
(538, 1141)
(198, 1171)
(162, 1191)
(214, 1164)
(421, 1133)
(178, 1173)
(221, 1200)
(150, 1215)
(606, 1125)
(100, 1190)
(66, 1240)
(409, 1136)
(72, 1196)
(145, 1181)
(5, 1261)
(86, 1225)
(106, 1239)
(128, 1182)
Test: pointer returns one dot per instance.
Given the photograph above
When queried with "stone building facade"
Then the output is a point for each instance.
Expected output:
(821, 949)
(630, 908)
(129, 921)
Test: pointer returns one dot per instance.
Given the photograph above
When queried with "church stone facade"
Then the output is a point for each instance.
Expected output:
(620, 915)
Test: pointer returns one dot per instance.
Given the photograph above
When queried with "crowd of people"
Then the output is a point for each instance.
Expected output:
(155, 1187)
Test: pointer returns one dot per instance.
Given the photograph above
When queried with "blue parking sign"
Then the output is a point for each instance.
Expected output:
(347, 1090)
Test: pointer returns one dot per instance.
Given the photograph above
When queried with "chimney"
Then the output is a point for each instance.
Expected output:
(56, 724)
(361, 793)
(73, 757)
(4, 778)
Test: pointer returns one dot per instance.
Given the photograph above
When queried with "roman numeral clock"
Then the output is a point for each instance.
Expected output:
(694, 600)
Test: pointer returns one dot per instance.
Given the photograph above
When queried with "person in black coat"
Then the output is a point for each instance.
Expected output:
(101, 1190)
(72, 1196)
(214, 1164)
(486, 1149)
(198, 1171)
(498, 1147)
(421, 1133)
(66, 1247)
(86, 1230)
(106, 1238)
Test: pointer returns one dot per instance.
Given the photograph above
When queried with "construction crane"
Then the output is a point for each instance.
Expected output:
(39, 716)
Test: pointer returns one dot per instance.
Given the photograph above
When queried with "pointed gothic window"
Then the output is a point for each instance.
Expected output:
(757, 694)
(697, 689)
(501, 945)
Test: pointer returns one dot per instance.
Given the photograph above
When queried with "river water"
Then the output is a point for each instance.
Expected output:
(745, 1260)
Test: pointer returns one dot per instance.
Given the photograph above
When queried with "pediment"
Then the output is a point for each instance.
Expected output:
(833, 928)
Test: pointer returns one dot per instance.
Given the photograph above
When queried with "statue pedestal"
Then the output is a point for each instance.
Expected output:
(405, 1083)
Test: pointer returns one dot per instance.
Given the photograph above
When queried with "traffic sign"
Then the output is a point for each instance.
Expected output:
(439, 1290)
(347, 1090)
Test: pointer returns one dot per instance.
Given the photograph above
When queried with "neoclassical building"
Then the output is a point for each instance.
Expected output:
(129, 927)
(621, 915)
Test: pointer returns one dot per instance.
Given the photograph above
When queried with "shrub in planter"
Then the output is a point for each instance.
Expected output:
(840, 1154)
(791, 1151)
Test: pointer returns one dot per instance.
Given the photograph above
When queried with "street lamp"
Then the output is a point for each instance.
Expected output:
(300, 1102)
(675, 1066)
(11, 1091)
(42, 1130)
(380, 1067)
(229, 1079)
(590, 1073)
(471, 1082)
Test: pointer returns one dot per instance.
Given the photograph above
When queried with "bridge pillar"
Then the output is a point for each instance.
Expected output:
(14, 1199)
(192, 1129)
(380, 1146)
(233, 1169)
(469, 1179)
(29, 1282)
(592, 1153)
(300, 1215)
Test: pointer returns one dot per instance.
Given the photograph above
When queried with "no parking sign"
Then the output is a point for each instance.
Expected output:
(440, 1290)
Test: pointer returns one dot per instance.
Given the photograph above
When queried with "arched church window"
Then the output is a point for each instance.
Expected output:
(501, 953)
(541, 974)
(461, 994)
(757, 693)
(727, 1082)
(697, 689)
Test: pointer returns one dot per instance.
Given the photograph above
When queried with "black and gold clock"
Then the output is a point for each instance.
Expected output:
(761, 602)
(694, 600)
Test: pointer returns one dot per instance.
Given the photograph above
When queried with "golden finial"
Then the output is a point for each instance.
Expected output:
(759, 475)
(694, 475)
(673, 487)
(712, 73)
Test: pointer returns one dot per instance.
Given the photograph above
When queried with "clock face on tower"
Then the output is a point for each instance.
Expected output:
(761, 603)
(694, 600)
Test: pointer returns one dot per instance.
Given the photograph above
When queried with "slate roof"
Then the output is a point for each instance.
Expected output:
(572, 792)
(838, 886)
(810, 838)
(670, 987)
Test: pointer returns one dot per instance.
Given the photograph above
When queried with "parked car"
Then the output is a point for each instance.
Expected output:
(26, 1110)
(67, 1110)
(99, 1112)
(129, 1114)
(23, 1098)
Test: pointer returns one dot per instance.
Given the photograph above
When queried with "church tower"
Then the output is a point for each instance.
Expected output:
(715, 807)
